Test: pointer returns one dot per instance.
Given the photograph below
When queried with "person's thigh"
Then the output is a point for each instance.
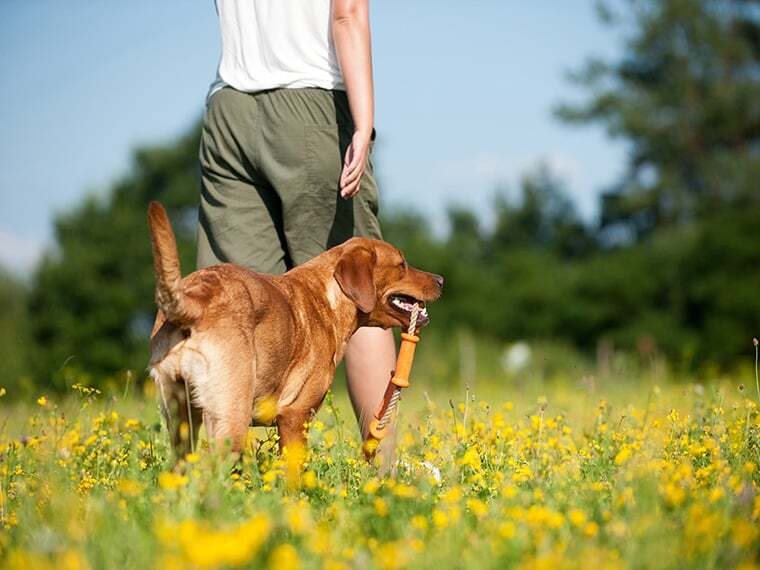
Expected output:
(303, 158)
(240, 216)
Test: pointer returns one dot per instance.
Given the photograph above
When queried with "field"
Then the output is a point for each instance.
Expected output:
(536, 475)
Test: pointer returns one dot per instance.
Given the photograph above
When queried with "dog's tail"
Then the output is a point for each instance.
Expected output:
(170, 297)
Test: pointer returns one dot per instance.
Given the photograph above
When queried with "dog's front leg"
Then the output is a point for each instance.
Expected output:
(291, 425)
(292, 429)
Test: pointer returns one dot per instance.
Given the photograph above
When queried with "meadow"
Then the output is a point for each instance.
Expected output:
(558, 473)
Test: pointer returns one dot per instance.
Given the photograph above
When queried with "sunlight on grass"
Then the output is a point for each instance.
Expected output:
(644, 477)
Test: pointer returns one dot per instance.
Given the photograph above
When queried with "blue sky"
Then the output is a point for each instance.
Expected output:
(464, 97)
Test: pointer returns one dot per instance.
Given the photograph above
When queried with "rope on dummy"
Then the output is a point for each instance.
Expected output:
(380, 424)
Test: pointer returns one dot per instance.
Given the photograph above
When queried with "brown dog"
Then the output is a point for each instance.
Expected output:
(252, 348)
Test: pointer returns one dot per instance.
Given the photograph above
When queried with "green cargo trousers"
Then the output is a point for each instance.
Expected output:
(270, 169)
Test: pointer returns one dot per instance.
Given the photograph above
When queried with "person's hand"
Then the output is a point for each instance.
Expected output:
(354, 164)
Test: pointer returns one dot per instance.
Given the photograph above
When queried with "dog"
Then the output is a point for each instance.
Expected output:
(232, 348)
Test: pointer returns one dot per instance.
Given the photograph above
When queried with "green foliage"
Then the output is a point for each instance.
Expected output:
(91, 305)
(14, 332)
(685, 96)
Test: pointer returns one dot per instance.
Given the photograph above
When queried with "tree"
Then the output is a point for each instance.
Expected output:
(91, 305)
(544, 217)
(685, 95)
(14, 334)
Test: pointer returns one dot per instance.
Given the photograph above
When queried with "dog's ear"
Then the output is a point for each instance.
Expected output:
(355, 275)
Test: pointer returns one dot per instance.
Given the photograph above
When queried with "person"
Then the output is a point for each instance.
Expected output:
(285, 154)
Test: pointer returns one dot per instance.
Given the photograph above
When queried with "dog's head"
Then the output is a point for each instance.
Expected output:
(376, 277)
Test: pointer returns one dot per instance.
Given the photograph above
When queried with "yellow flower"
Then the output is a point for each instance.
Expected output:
(716, 494)
(389, 556)
(591, 529)
(42, 401)
(381, 507)
(471, 458)
(623, 455)
(451, 496)
(371, 486)
(440, 518)
(284, 557)
(477, 507)
(129, 487)
(744, 533)
(170, 480)
(309, 479)
(205, 547)
(270, 476)
(674, 494)
(405, 491)
(577, 517)
(507, 530)
(298, 517)
(265, 410)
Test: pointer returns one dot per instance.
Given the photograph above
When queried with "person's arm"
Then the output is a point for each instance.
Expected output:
(351, 35)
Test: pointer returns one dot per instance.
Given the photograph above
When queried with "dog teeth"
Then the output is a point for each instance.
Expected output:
(408, 307)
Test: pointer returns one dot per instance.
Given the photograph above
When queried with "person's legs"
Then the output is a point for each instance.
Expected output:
(370, 360)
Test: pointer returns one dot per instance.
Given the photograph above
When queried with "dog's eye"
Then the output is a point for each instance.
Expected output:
(402, 265)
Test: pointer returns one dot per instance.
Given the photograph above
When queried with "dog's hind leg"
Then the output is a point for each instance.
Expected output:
(229, 413)
(183, 418)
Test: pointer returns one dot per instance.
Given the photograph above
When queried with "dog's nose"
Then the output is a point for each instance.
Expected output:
(439, 280)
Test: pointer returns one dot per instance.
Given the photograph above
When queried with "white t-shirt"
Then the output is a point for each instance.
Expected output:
(269, 44)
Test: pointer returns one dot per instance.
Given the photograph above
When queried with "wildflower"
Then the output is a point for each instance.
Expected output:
(591, 529)
(477, 507)
(319, 542)
(295, 455)
(405, 491)
(284, 557)
(381, 507)
(507, 530)
(371, 486)
(440, 518)
(171, 481)
(623, 455)
(577, 517)
(129, 487)
(419, 522)
(309, 479)
(453, 495)
(716, 495)
(744, 533)
(265, 410)
(389, 556)
(42, 401)
(298, 517)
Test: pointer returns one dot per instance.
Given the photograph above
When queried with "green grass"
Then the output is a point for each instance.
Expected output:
(534, 473)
